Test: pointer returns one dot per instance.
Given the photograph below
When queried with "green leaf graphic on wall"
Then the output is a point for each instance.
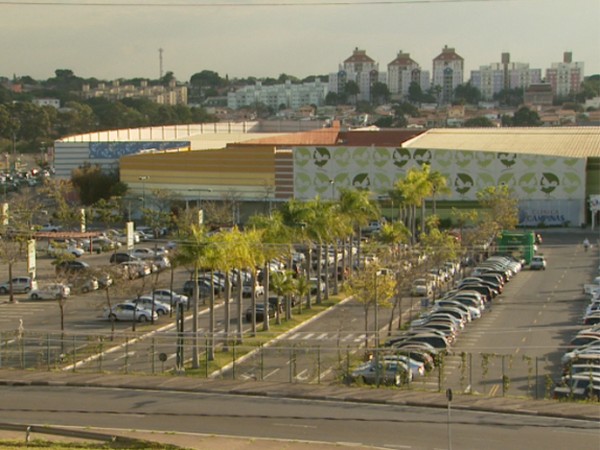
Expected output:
(381, 182)
(570, 161)
(342, 181)
(549, 182)
(528, 183)
(321, 182)
(484, 159)
(443, 158)
(422, 156)
(549, 162)
(361, 181)
(507, 179)
(507, 159)
(361, 157)
(381, 157)
(463, 183)
(571, 182)
(484, 180)
(529, 160)
(341, 156)
(321, 156)
(463, 159)
(301, 156)
(401, 156)
(302, 183)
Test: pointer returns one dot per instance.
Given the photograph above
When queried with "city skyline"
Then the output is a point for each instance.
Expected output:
(242, 38)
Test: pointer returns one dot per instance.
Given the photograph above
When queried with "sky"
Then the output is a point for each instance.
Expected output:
(111, 39)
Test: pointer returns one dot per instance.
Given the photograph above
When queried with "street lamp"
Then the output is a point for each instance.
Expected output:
(143, 180)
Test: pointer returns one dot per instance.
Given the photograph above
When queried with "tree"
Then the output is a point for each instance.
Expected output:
(351, 90)
(525, 117)
(415, 93)
(510, 97)
(380, 93)
(501, 204)
(478, 122)
(467, 93)
(439, 185)
(93, 184)
(371, 288)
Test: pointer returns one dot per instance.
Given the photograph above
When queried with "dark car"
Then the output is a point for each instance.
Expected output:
(203, 286)
(72, 266)
(260, 312)
(118, 258)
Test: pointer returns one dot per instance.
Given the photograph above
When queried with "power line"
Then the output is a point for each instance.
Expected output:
(245, 5)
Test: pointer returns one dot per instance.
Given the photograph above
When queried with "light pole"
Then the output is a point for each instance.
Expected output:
(143, 180)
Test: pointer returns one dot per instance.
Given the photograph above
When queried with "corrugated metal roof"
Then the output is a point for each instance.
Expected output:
(325, 136)
(569, 142)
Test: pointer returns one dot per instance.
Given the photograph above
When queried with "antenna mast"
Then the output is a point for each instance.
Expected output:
(160, 62)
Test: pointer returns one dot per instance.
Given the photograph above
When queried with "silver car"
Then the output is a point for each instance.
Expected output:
(129, 311)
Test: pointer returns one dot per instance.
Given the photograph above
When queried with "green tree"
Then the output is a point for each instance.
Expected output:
(467, 93)
(93, 184)
(380, 93)
(415, 93)
(351, 90)
(501, 204)
(478, 122)
(525, 117)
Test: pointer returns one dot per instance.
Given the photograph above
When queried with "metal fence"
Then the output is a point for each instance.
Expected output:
(280, 360)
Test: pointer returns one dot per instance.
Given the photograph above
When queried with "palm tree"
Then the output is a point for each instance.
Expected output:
(192, 251)
(357, 207)
(439, 185)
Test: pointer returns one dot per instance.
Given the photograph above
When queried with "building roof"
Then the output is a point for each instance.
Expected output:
(403, 59)
(570, 142)
(325, 136)
(448, 54)
(359, 56)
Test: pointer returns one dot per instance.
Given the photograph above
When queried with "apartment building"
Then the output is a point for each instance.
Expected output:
(286, 95)
(448, 73)
(565, 77)
(403, 71)
(173, 94)
(359, 68)
(504, 75)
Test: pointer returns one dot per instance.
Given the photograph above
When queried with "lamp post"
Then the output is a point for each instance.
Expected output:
(143, 180)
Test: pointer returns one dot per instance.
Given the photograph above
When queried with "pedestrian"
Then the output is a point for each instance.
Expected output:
(586, 244)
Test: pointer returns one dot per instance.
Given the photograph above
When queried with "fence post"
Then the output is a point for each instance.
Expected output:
(101, 355)
(48, 351)
(74, 353)
(22, 349)
(536, 378)
(503, 377)
(262, 362)
(319, 365)
(153, 352)
(291, 357)
(233, 359)
(206, 356)
(126, 355)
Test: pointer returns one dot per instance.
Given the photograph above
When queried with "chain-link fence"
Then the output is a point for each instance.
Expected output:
(278, 360)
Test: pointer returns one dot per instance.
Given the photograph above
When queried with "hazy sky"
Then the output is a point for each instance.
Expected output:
(240, 38)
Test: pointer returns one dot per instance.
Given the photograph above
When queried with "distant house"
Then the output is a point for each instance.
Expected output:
(53, 102)
(538, 95)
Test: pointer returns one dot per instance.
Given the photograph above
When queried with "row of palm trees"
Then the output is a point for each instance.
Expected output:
(315, 226)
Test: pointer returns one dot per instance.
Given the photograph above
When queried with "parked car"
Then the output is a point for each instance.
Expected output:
(50, 292)
(385, 372)
(56, 249)
(260, 312)
(167, 296)
(128, 311)
(142, 253)
(146, 302)
(135, 269)
(422, 287)
(119, 257)
(538, 263)
(72, 266)
(20, 285)
(580, 386)
(203, 286)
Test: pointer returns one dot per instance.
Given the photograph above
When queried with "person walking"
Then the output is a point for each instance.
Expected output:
(586, 244)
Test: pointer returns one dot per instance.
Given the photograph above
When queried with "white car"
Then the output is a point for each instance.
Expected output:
(50, 292)
(146, 302)
(422, 287)
(128, 311)
(537, 263)
(55, 250)
(165, 295)
(142, 253)
(135, 269)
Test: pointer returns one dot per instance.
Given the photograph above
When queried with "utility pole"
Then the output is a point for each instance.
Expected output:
(160, 63)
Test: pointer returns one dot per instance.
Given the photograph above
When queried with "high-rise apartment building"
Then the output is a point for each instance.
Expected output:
(403, 71)
(504, 75)
(448, 73)
(286, 95)
(361, 69)
(565, 77)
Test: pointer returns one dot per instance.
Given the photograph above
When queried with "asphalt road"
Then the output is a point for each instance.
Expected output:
(381, 426)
